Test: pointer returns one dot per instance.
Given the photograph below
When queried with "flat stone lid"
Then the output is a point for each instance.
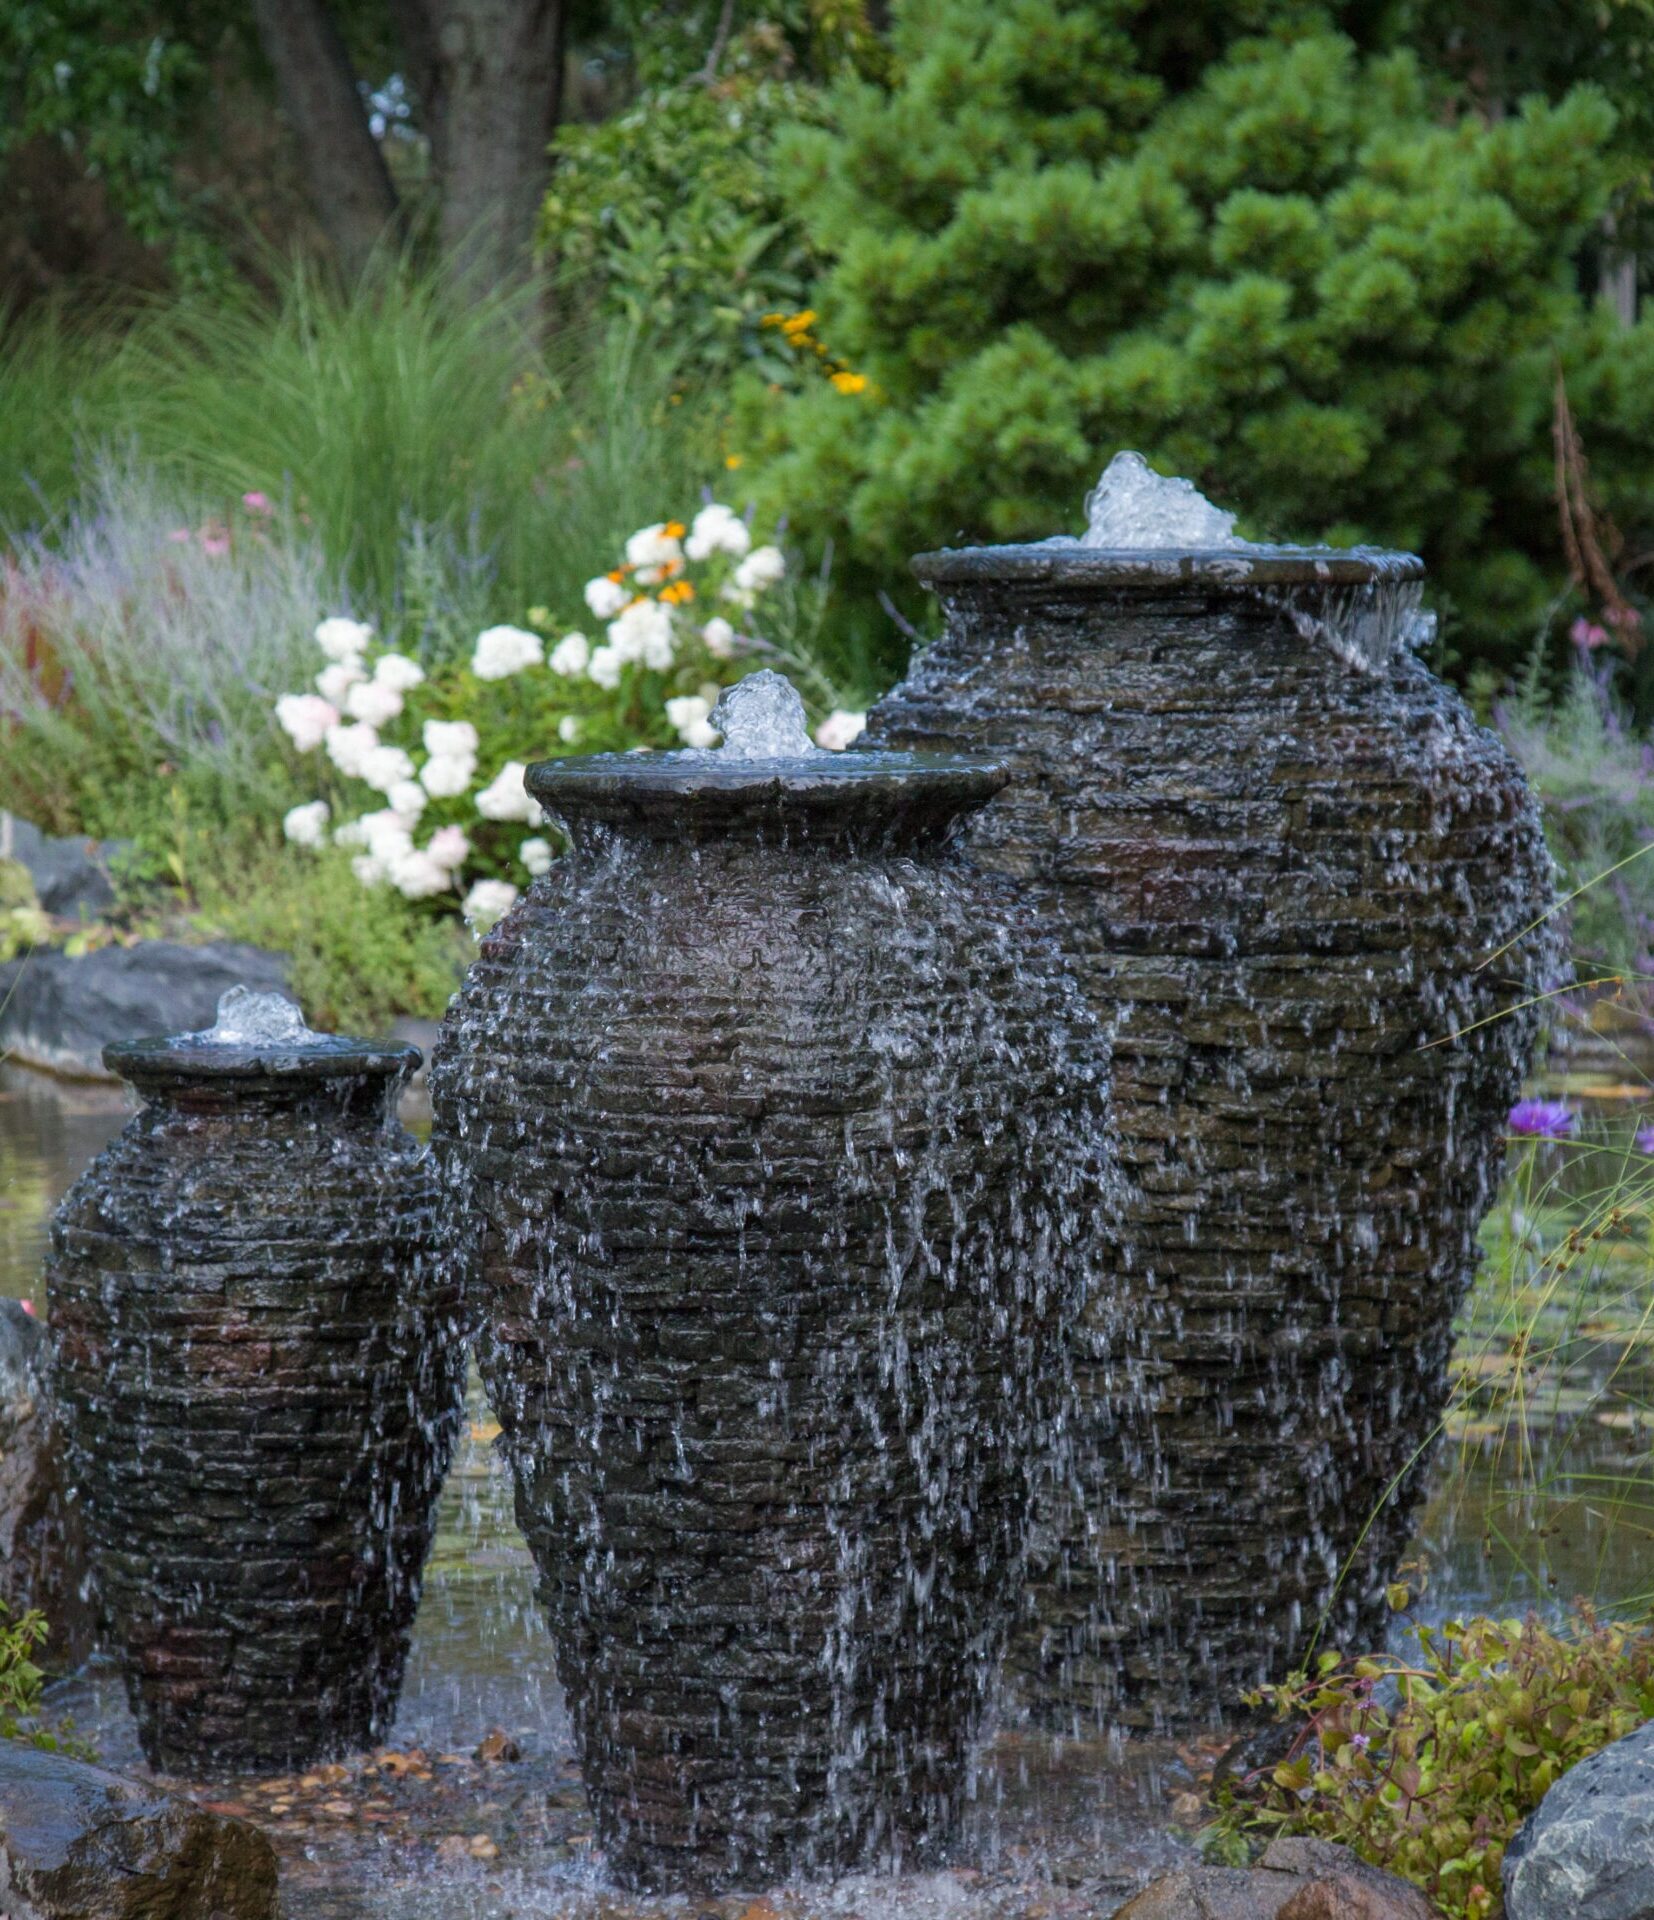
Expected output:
(185, 1057)
(1151, 570)
(872, 791)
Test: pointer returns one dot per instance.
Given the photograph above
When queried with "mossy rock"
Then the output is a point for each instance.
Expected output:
(16, 886)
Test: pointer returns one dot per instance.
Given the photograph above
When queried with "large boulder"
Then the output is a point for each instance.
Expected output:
(1297, 1880)
(59, 1013)
(71, 874)
(1586, 1852)
(42, 1544)
(77, 1843)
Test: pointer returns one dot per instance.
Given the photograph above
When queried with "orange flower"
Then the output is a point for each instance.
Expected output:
(618, 574)
(673, 530)
(676, 594)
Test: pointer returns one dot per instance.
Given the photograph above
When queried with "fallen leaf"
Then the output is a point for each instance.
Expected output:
(498, 1745)
(481, 1847)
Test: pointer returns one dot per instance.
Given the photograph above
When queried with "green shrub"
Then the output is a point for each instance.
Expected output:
(1301, 282)
(21, 1684)
(1426, 1765)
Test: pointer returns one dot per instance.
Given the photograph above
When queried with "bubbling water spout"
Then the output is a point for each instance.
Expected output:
(1133, 507)
(247, 1018)
(762, 718)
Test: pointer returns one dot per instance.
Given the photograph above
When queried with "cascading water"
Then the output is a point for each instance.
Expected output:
(784, 1135)
(1297, 876)
(258, 1374)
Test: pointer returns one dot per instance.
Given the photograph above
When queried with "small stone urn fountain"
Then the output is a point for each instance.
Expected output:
(1296, 873)
(260, 1381)
(785, 1134)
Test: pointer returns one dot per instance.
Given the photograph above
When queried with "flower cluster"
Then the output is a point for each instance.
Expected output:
(444, 751)
(797, 330)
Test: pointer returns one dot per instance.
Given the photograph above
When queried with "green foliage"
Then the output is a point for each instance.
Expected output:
(1427, 1765)
(361, 956)
(1299, 282)
(20, 1679)
(668, 217)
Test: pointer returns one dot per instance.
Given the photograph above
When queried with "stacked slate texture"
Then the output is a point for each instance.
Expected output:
(787, 1134)
(260, 1381)
(1279, 872)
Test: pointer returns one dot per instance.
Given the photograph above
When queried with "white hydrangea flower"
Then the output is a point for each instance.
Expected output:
(605, 666)
(653, 551)
(334, 682)
(606, 597)
(445, 776)
(306, 826)
(717, 529)
(373, 702)
(416, 876)
(398, 672)
(487, 902)
(737, 596)
(503, 651)
(348, 747)
(306, 718)
(536, 855)
(449, 737)
(383, 832)
(450, 848)
(407, 799)
(688, 714)
(386, 767)
(568, 729)
(506, 798)
(840, 729)
(763, 567)
(370, 870)
(570, 654)
(342, 639)
(719, 637)
(644, 632)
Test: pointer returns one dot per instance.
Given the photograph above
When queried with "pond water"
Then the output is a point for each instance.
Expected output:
(1542, 1493)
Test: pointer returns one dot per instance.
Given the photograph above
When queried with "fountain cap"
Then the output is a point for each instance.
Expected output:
(256, 1036)
(1067, 564)
(768, 774)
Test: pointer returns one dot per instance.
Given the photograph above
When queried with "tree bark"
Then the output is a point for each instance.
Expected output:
(497, 96)
(316, 84)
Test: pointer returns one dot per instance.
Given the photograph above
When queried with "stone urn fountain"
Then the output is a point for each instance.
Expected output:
(785, 1134)
(260, 1381)
(1295, 873)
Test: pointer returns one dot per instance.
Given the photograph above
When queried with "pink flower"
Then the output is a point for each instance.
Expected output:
(216, 544)
(180, 536)
(1587, 635)
(256, 502)
(28, 1308)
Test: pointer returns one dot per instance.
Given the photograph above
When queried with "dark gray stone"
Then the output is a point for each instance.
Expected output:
(42, 1542)
(785, 1135)
(77, 1843)
(256, 1365)
(58, 1013)
(71, 874)
(1279, 868)
(1586, 1852)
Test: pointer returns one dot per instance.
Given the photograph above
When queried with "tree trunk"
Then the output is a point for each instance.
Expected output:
(498, 92)
(316, 85)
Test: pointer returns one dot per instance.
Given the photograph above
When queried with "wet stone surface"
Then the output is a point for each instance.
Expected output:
(1278, 863)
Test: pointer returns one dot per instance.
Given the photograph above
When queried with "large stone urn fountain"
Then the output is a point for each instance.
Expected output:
(1295, 873)
(785, 1134)
(259, 1376)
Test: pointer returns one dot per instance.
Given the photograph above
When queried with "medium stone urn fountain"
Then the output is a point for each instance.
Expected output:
(1295, 873)
(785, 1134)
(258, 1369)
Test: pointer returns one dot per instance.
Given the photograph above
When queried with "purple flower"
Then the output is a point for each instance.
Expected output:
(1542, 1119)
(1644, 1141)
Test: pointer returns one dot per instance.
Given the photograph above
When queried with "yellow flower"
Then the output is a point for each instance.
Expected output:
(799, 322)
(539, 616)
(676, 594)
(848, 382)
(732, 461)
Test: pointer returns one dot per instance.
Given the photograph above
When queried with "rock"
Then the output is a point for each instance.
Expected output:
(70, 874)
(42, 1545)
(77, 1843)
(1586, 1852)
(1297, 1880)
(59, 1014)
(1261, 1748)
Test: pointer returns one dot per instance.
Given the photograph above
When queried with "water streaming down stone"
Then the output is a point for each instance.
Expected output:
(785, 1134)
(1290, 866)
(257, 1362)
